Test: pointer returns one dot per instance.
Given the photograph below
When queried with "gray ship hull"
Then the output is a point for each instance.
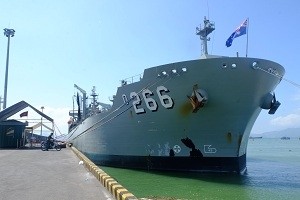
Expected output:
(194, 115)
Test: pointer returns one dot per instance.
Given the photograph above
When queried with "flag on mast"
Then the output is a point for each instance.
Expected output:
(241, 30)
(24, 114)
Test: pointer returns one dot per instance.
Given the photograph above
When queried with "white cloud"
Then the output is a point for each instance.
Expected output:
(297, 97)
(288, 121)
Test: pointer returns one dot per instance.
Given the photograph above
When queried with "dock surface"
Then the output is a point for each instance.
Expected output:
(30, 174)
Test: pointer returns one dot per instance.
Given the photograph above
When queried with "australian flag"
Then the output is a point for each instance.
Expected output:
(241, 30)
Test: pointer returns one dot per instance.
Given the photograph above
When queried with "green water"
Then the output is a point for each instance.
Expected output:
(273, 173)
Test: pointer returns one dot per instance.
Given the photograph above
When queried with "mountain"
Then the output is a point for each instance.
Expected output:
(290, 132)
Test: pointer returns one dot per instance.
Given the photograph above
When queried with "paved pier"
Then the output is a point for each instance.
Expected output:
(32, 174)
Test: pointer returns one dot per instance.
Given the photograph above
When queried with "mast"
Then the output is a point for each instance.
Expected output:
(94, 104)
(204, 32)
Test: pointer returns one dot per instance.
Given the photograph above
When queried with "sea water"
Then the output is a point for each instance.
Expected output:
(273, 172)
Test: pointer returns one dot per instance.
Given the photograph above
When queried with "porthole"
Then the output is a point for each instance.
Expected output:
(255, 65)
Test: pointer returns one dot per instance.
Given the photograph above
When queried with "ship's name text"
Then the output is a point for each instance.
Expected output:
(146, 97)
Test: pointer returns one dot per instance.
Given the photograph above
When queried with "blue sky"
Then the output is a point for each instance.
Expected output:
(99, 42)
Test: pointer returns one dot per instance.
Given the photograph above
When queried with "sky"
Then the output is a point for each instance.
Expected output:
(99, 42)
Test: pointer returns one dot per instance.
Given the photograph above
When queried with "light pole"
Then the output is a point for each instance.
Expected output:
(0, 102)
(8, 33)
(42, 119)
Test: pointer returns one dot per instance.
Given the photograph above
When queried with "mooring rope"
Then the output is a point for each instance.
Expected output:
(280, 77)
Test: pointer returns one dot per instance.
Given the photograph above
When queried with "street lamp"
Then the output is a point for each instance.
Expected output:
(0, 102)
(42, 119)
(8, 33)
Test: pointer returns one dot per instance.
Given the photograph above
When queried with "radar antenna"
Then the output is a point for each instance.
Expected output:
(204, 32)
(94, 103)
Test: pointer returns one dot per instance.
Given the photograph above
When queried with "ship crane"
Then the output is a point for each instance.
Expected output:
(83, 100)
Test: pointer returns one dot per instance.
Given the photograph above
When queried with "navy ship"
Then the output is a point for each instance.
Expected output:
(193, 115)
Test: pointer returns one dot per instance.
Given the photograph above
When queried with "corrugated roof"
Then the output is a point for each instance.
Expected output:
(10, 111)
(13, 123)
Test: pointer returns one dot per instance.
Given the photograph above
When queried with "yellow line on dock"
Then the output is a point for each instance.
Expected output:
(117, 190)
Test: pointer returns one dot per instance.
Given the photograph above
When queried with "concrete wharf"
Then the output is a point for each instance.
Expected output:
(30, 174)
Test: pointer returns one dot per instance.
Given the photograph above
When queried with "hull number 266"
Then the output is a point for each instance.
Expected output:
(146, 97)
